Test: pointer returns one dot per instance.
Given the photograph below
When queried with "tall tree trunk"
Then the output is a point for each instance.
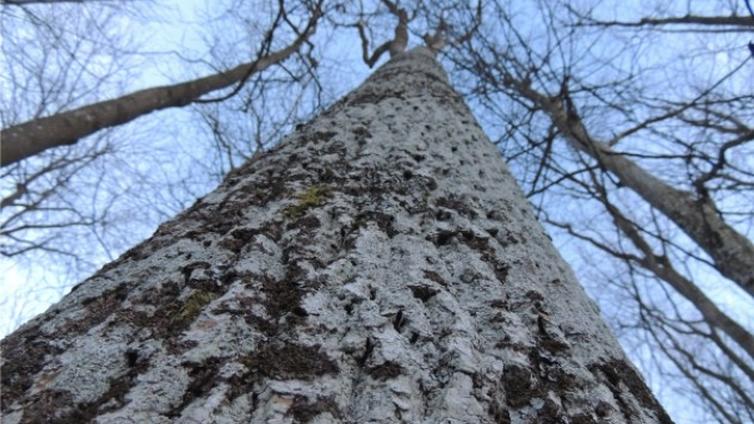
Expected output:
(380, 265)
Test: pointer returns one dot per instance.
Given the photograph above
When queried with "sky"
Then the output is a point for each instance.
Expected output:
(29, 288)
(20, 300)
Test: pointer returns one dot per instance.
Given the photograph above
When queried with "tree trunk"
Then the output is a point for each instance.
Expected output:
(380, 265)
(731, 251)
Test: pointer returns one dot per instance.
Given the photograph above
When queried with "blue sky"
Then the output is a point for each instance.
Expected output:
(152, 138)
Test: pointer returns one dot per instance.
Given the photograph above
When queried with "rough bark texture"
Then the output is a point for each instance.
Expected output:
(379, 266)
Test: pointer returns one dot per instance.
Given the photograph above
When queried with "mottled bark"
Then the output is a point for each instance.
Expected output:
(65, 128)
(379, 266)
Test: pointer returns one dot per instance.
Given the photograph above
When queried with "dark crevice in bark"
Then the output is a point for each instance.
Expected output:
(385, 371)
(305, 409)
(202, 378)
(290, 361)
(25, 353)
(477, 243)
(58, 406)
(619, 372)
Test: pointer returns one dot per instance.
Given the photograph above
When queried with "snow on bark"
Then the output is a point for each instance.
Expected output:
(379, 266)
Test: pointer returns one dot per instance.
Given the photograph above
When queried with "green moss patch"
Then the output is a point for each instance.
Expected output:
(192, 307)
(312, 197)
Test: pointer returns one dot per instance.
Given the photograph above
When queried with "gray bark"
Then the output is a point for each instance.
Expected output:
(379, 266)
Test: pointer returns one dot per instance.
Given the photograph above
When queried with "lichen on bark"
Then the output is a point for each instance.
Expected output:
(379, 265)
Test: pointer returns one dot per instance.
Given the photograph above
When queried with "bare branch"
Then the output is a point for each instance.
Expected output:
(395, 46)
(27, 139)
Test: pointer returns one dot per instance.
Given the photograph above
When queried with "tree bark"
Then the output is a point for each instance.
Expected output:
(380, 265)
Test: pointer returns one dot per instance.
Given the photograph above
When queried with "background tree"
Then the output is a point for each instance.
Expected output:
(660, 87)
(55, 58)
(78, 206)
(594, 124)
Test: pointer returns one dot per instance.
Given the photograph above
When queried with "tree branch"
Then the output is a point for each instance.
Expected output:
(32, 137)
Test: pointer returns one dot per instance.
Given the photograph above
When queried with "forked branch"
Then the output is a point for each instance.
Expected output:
(395, 46)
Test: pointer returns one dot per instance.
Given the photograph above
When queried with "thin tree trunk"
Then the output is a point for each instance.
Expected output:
(32, 137)
(732, 21)
(380, 265)
(731, 251)
(662, 267)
